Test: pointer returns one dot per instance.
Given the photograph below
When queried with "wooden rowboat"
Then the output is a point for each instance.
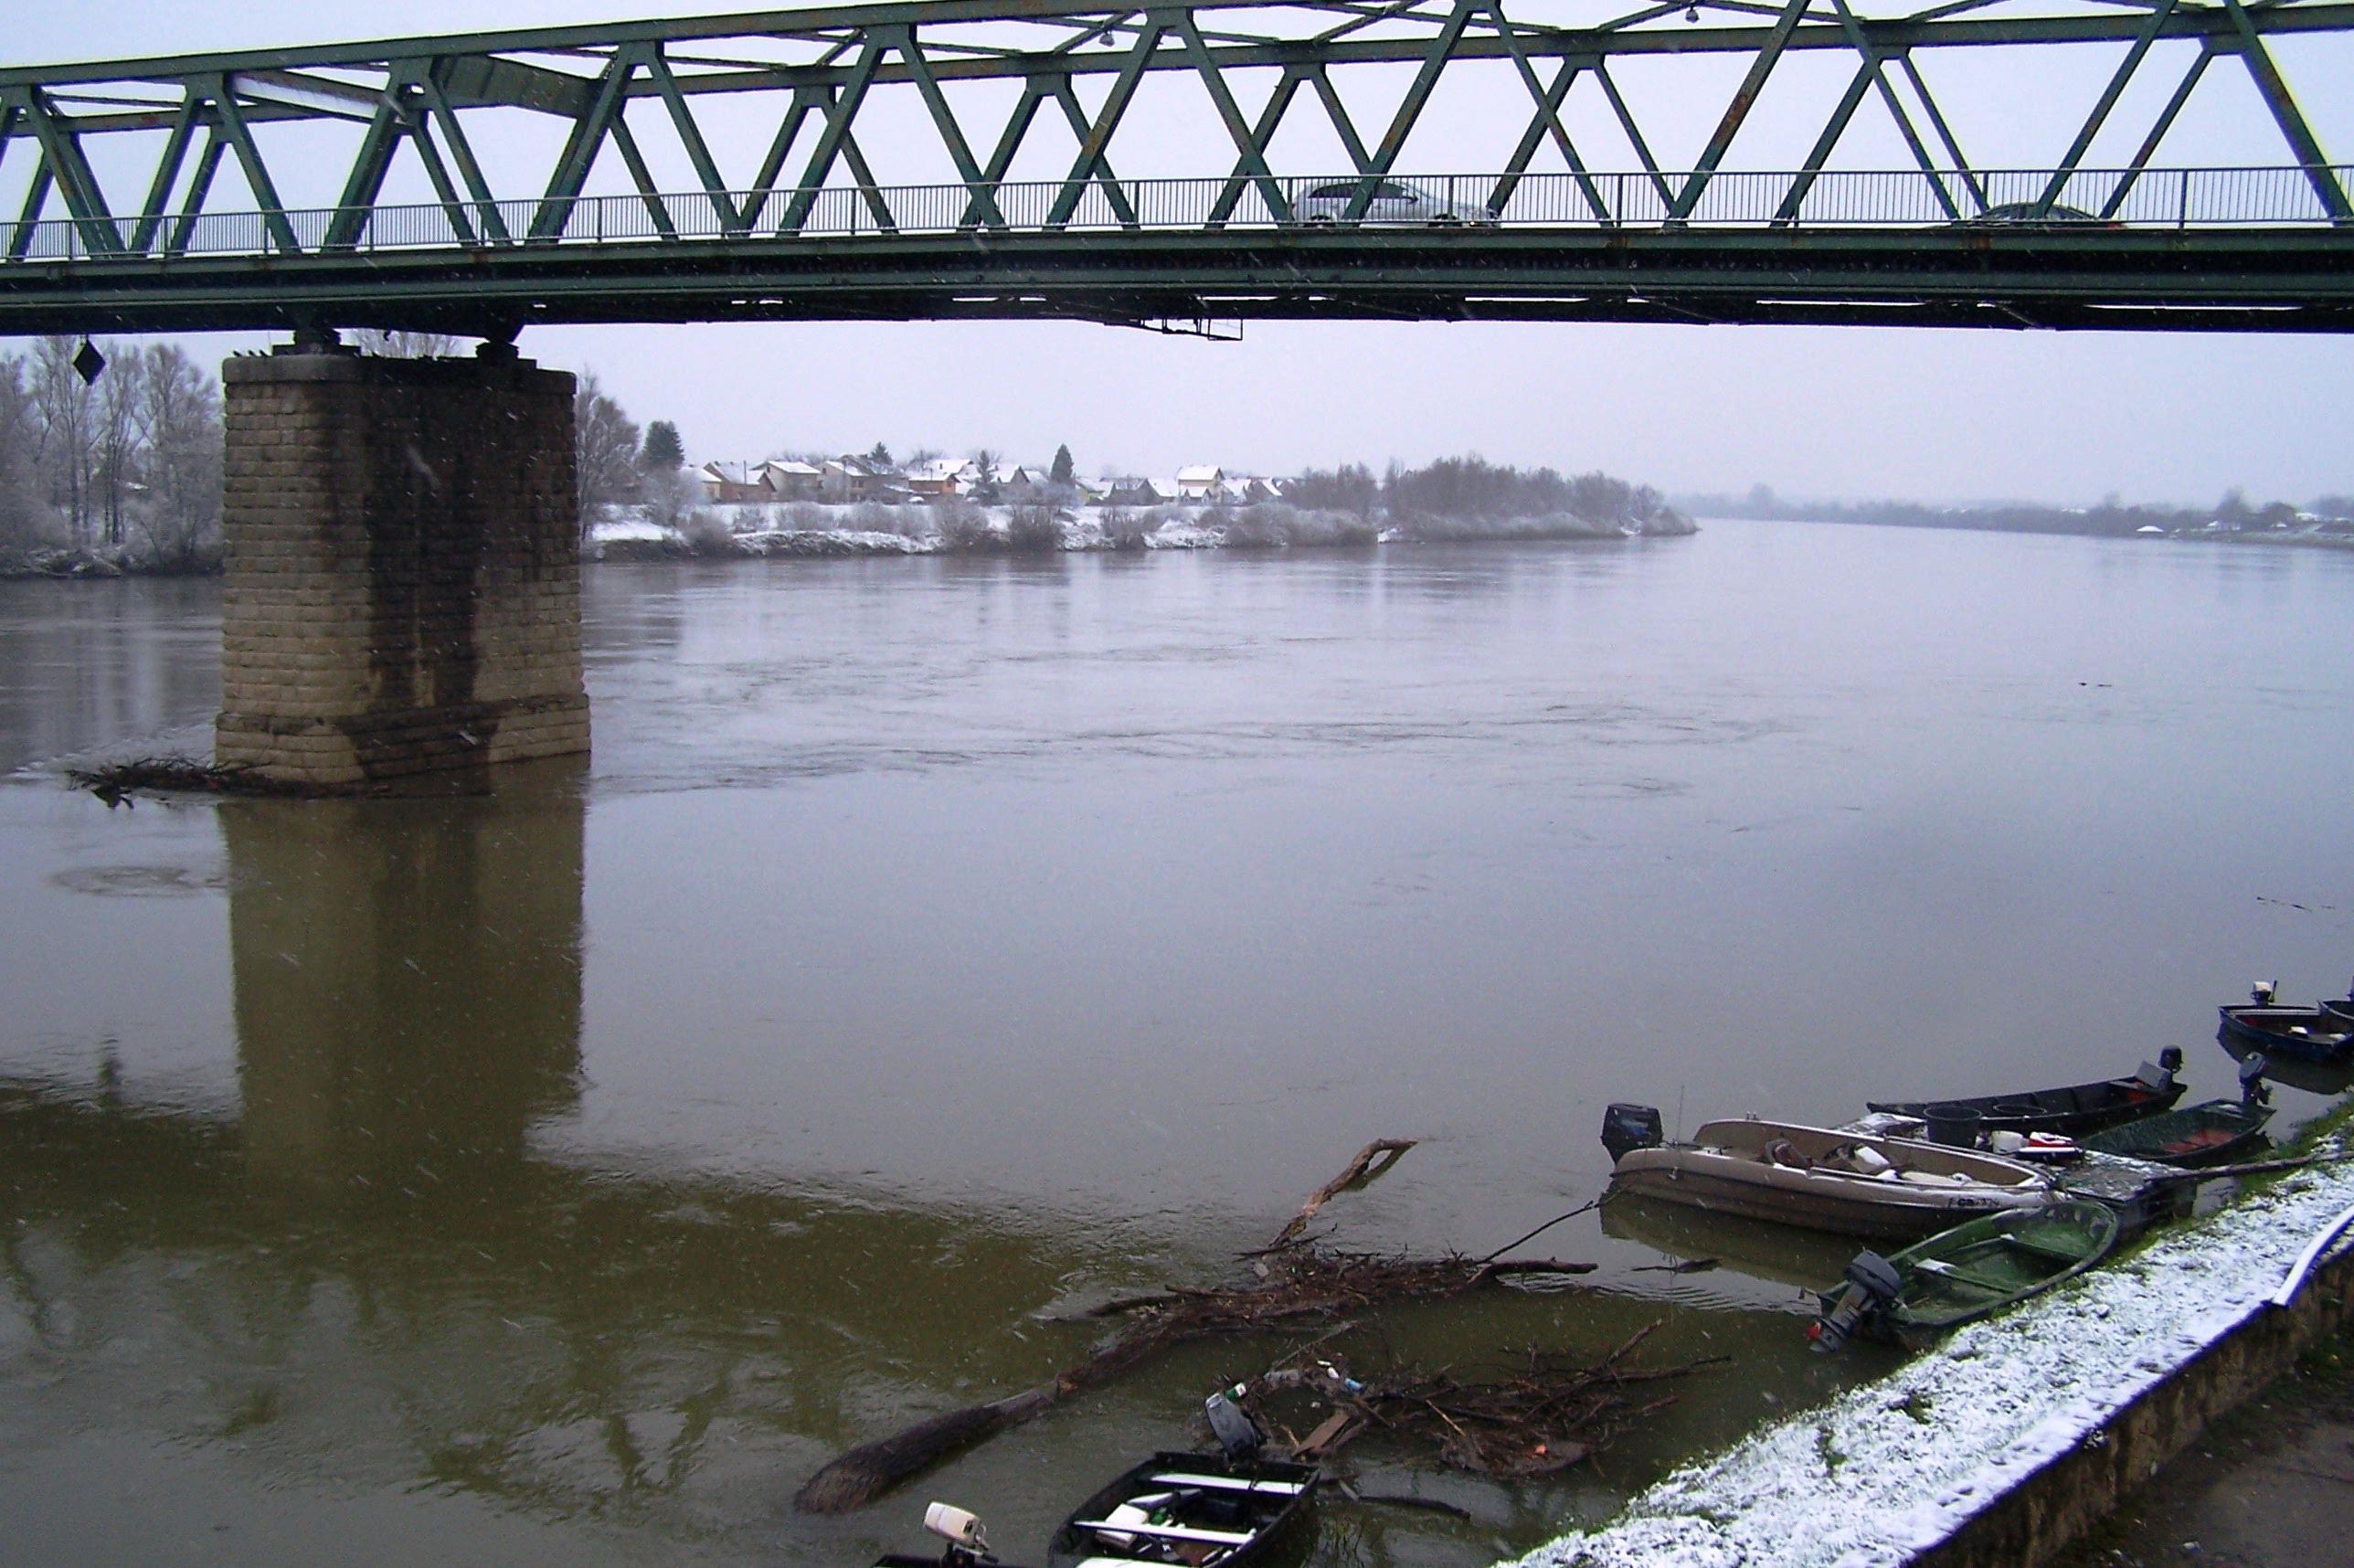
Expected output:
(1966, 1273)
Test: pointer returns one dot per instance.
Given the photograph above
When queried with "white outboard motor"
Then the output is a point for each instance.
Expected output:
(1872, 1284)
(2264, 991)
(961, 1530)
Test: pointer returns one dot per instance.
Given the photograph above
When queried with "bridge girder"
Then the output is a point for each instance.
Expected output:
(431, 104)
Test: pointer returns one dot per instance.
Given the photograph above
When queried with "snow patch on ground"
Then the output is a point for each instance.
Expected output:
(634, 529)
(1890, 1469)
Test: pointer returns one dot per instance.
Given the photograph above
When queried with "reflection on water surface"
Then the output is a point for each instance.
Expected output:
(937, 949)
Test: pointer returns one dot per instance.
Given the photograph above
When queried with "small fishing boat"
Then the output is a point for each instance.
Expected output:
(1229, 1510)
(2213, 1133)
(1964, 1273)
(2323, 1032)
(1205, 1512)
(1823, 1178)
(2068, 1111)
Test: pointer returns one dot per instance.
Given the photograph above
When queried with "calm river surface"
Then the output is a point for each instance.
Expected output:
(938, 947)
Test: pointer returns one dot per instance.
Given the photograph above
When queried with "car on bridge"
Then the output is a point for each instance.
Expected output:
(1392, 201)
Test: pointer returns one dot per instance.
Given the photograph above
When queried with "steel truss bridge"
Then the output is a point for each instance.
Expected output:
(713, 169)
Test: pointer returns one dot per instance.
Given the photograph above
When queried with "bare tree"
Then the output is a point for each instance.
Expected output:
(179, 454)
(116, 437)
(604, 450)
(22, 512)
(62, 420)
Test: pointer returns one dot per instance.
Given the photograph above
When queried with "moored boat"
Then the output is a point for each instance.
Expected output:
(2323, 1032)
(2212, 1133)
(2069, 1110)
(1229, 1510)
(1823, 1178)
(1966, 1273)
(1208, 1512)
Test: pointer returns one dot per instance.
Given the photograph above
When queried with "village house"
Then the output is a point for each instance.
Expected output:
(1199, 483)
(733, 485)
(937, 479)
(793, 481)
(1130, 490)
(849, 479)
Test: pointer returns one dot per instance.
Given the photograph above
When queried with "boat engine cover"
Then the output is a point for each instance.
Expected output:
(1626, 1128)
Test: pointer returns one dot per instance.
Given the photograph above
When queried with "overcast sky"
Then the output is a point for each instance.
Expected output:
(1829, 411)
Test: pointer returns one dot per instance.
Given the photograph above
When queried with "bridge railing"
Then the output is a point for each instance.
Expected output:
(2146, 198)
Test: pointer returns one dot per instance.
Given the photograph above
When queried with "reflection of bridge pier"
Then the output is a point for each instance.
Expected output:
(407, 976)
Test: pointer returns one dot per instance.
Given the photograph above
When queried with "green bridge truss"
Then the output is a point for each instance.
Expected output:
(713, 169)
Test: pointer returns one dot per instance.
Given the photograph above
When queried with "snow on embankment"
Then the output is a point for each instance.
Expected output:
(1890, 1469)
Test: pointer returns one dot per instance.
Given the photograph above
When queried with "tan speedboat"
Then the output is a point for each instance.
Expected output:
(1850, 1183)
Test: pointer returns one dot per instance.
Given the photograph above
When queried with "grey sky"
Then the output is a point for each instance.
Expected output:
(1835, 411)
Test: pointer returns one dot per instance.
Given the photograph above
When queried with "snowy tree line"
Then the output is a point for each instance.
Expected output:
(1469, 496)
(125, 467)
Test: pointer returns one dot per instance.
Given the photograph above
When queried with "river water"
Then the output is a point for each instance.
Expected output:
(938, 947)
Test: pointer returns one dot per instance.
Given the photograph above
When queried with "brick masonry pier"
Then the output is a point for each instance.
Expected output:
(403, 576)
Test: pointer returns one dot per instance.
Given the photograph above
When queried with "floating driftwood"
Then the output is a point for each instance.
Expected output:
(1547, 1415)
(116, 783)
(1299, 1281)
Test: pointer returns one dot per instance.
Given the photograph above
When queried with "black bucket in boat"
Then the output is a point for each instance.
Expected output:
(1953, 1125)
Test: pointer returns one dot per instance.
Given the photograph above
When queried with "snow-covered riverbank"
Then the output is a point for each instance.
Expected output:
(873, 530)
(1886, 1471)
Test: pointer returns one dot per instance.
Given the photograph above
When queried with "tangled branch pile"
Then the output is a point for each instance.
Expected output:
(1546, 1416)
(1298, 1280)
(117, 783)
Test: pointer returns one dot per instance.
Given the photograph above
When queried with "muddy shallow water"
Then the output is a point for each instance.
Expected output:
(935, 947)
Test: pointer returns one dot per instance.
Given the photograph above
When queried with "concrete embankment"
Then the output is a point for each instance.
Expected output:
(2017, 1434)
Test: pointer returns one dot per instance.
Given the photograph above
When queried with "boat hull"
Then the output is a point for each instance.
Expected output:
(1980, 1267)
(1267, 1499)
(2308, 1033)
(2214, 1133)
(2068, 1111)
(1787, 1174)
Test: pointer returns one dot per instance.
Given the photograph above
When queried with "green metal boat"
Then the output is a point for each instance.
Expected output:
(2214, 1133)
(1966, 1273)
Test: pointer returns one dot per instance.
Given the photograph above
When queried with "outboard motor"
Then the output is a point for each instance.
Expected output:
(1238, 1436)
(1626, 1128)
(958, 1526)
(2253, 1092)
(2161, 1076)
(1872, 1284)
(2263, 993)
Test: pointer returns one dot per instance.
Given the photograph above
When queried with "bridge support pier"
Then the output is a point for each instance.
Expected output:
(403, 575)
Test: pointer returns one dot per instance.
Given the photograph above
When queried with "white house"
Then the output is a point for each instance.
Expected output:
(1199, 483)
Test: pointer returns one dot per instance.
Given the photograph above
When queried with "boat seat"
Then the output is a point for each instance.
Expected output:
(1231, 1484)
(2036, 1249)
(1170, 1532)
(1961, 1276)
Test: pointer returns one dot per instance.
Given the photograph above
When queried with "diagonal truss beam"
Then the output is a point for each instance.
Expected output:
(1442, 48)
(2099, 116)
(1744, 97)
(2286, 113)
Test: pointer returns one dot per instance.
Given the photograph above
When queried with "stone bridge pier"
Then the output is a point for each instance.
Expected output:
(403, 577)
